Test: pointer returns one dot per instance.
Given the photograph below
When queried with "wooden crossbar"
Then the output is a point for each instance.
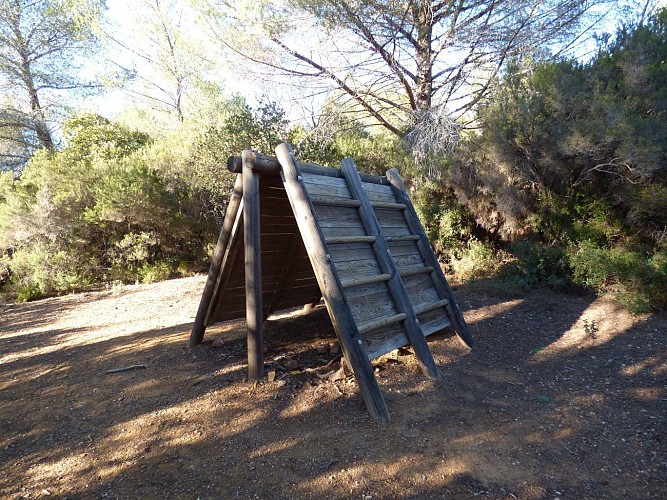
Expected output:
(432, 306)
(415, 270)
(368, 280)
(382, 322)
(334, 240)
(334, 202)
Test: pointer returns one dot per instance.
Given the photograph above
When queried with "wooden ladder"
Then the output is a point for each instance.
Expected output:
(363, 240)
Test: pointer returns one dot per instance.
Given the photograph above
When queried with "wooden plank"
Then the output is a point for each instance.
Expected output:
(404, 247)
(330, 231)
(434, 321)
(353, 252)
(403, 261)
(311, 168)
(310, 180)
(390, 217)
(376, 324)
(208, 296)
(398, 293)
(349, 269)
(380, 189)
(327, 213)
(420, 289)
(366, 290)
(445, 292)
(282, 278)
(372, 307)
(292, 299)
(344, 324)
(253, 269)
(386, 340)
(232, 262)
(367, 280)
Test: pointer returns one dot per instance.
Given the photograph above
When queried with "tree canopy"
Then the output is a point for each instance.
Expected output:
(416, 67)
(41, 46)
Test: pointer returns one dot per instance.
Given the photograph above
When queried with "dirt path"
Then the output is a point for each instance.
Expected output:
(547, 407)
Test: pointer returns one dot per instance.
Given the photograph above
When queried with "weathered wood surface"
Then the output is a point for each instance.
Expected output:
(332, 291)
(199, 326)
(438, 279)
(253, 268)
(388, 266)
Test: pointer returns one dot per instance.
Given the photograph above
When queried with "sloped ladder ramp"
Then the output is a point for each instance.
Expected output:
(359, 278)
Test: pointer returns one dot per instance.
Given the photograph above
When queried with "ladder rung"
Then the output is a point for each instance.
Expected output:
(386, 204)
(430, 306)
(335, 202)
(411, 271)
(408, 237)
(379, 323)
(350, 239)
(367, 280)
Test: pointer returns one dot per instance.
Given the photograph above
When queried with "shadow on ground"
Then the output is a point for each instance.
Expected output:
(544, 408)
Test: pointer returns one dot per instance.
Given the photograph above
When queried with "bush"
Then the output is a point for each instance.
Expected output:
(534, 264)
(475, 261)
(44, 269)
(637, 279)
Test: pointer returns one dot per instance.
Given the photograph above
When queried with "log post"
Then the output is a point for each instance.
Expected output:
(253, 268)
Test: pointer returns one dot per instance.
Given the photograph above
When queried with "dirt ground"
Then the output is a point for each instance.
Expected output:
(565, 397)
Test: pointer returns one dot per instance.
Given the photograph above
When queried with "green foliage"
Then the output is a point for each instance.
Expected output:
(535, 264)
(94, 211)
(475, 261)
(638, 280)
(43, 269)
(569, 169)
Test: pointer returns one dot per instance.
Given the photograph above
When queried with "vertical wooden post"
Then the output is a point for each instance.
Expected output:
(199, 326)
(253, 268)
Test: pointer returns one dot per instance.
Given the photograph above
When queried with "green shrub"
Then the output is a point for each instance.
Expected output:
(158, 271)
(637, 279)
(535, 264)
(42, 270)
(475, 261)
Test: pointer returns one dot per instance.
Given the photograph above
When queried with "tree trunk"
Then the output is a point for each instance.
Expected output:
(39, 122)
(423, 18)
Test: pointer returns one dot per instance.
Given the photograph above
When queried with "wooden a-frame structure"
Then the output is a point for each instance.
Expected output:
(294, 233)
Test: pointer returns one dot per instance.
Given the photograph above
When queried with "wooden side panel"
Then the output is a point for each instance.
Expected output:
(278, 231)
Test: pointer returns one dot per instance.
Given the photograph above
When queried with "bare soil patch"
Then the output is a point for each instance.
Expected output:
(566, 397)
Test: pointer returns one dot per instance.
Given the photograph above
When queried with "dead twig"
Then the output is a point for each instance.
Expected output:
(126, 369)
